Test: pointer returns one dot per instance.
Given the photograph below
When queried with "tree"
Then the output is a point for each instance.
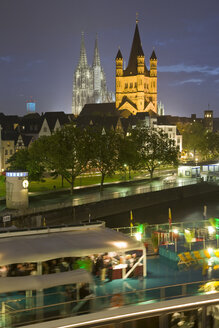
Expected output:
(65, 152)
(24, 161)
(104, 152)
(211, 150)
(128, 155)
(154, 148)
(193, 136)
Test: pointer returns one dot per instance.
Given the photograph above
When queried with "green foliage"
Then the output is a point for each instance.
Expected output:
(25, 160)
(128, 156)
(104, 151)
(211, 146)
(64, 153)
(193, 137)
(154, 148)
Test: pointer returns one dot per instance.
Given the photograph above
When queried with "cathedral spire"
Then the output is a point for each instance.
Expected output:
(83, 55)
(96, 61)
(136, 51)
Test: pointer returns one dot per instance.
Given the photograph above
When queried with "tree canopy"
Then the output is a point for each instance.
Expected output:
(71, 151)
(154, 148)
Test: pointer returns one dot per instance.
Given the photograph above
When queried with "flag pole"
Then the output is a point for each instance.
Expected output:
(170, 220)
(131, 222)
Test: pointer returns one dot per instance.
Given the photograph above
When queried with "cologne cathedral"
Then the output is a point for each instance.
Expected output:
(89, 82)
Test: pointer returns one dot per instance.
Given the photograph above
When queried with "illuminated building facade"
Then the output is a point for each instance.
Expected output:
(136, 86)
(89, 83)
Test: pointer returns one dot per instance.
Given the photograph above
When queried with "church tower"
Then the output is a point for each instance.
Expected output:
(100, 94)
(136, 86)
(89, 83)
(82, 82)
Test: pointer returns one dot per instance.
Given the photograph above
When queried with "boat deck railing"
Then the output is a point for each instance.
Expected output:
(43, 307)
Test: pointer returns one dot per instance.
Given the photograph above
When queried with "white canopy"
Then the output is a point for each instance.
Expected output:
(10, 284)
(41, 247)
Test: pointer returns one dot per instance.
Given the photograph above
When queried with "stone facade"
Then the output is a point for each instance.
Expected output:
(136, 86)
(89, 83)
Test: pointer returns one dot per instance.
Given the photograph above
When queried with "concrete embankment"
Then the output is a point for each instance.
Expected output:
(95, 210)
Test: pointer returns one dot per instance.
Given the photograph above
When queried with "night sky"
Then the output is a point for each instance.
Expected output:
(40, 46)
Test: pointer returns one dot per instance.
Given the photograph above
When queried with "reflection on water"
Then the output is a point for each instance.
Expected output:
(188, 209)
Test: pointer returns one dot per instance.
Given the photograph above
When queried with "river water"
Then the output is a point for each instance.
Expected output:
(188, 209)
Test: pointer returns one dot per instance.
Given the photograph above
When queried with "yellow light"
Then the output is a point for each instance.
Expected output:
(175, 231)
(211, 230)
(120, 244)
(138, 236)
(210, 250)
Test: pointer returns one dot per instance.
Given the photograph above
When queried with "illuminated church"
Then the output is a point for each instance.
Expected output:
(136, 86)
(89, 83)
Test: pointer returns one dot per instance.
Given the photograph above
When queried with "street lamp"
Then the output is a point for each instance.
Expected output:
(125, 166)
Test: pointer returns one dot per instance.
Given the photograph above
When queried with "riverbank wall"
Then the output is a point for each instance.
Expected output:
(65, 213)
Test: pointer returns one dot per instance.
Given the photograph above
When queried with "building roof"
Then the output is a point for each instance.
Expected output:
(119, 55)
(126, 99)
(104, 109)
(136, 51)
(9, 135)
(37, 282)
(31, 123)
(52, 117)
(153, 56)
(68, 242)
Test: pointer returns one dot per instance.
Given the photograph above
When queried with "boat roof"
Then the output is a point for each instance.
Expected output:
(38, 282)
(39, 246)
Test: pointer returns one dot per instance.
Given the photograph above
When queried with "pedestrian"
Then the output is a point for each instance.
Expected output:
(210, 320)
(110, 270)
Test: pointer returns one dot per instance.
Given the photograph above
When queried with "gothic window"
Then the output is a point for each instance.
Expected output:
(6, 152)
(145, 85)
(135, 84)
(126, 85)
(131, 85)
(154, 84)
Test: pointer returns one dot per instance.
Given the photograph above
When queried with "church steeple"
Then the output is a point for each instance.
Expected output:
(96, 60)
(136, 51)
(83, 55)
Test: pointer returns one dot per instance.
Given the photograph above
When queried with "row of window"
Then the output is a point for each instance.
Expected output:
(8, 152)
(131, 84)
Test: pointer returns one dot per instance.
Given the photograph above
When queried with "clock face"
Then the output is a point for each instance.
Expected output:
(25, 184)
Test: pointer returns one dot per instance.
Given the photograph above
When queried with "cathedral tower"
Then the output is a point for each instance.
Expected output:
(89, 83)
(82, 82)
(136, 86)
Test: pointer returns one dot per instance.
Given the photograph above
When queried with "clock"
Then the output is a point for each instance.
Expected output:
(25, 184)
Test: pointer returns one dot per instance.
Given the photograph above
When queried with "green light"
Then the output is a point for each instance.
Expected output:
(140, 228)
